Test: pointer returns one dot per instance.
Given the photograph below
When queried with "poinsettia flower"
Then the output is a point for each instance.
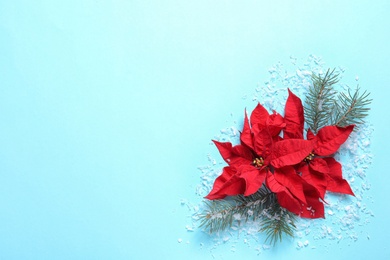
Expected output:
(259, 152)
(244, 174)
(318, 169)
(319, 172)
(325, 171)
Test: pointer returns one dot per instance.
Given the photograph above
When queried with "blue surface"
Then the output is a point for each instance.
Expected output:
(107, 109)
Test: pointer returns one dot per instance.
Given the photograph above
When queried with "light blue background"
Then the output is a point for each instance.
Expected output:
(107, 109)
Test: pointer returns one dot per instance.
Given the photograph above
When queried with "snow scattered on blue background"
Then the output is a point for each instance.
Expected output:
(345, 216)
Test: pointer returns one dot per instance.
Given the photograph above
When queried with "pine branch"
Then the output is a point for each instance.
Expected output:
(277, 221)
(319, 100)
(221, 214)
(351, 109)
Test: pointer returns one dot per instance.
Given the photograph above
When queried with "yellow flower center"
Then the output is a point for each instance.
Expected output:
(258, 162)
(309, 157)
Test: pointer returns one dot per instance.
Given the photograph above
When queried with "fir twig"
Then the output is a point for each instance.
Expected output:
(220, 214)
(277, 221)
(351, 108)
(263, 205)
(319, 100)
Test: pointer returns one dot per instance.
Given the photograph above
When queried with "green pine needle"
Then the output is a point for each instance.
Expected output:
(276, 222)
(351, 108)
(323, 106)
(320, 100)
(263, 206)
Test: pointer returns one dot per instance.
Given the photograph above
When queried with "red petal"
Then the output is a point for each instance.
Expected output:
(275, 123)
(336, 183)
(290, 152)
(227, 184)
(277, 139)
(259, 115)
(314, 207)
(318, 181)
(287, 177)
(329, 139)
(246, 135)
(319, 165)
(310, 135)
(284, 196)
(262, 140)
(293, 116)
(253, 177)
(234, 156)
(287, 201)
